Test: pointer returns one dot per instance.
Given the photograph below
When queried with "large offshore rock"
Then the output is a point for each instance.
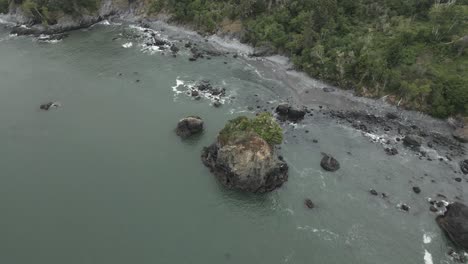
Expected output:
(455, 224)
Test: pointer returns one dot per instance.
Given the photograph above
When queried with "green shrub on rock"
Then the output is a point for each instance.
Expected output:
(263, 125)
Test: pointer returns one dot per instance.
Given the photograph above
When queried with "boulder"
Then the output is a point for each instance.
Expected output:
(309, 204)
(391, 151)
(454, 223)
(464, 166)
(291, 113)
(461, 134)
(329, 163)
(242, 160)
(189, 126)
(412, 141)
(264, 50)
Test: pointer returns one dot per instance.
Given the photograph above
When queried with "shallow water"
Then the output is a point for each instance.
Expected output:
(104, 178)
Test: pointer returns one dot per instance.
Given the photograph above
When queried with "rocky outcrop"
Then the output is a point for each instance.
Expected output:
(263, 50)
(329, 163)
(455, 224)
(243, 156)
(189, 126)
(247, 164)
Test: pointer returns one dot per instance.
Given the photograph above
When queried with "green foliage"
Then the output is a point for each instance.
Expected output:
(263, 125)
(407, 48)
(4, 6)
(47, 11)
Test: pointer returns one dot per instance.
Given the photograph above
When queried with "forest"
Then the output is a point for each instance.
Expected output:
(414, 52)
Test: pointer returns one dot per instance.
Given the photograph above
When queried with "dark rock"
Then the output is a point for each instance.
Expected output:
(329, 163)
(433, 209)
(192, 59)
(412, 141)
(440, 204)
(391, 151)
(328, 89)
(404, 207)
(315, 140)
(217, 104)
(416, 189)
(49, 105)
(455, 224)
(309, 203)
(391, 115)
(195, 93)
(189, 126)
(374, 192)
(174, 49)
(464, 166)
(458, 179)
(287, 112)
(283, 109)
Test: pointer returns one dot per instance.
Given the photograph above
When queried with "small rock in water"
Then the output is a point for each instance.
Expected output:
(417, 189)
(217, 104)
(458, 179)
(315, 141)
(391, 151)
(309, 203)
(195, 93)
(464, 166)
(329, 163)
(440, 204)
(433, 209)
(374, 192)
(189, 126)
(49, 105)
(404, 207)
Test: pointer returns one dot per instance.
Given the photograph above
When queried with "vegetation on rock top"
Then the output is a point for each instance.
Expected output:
(263, 125)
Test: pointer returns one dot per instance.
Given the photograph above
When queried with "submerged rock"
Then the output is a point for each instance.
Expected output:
(329, 163)
(189, 126)
(391, 151)
(455, 224)
(242, 159)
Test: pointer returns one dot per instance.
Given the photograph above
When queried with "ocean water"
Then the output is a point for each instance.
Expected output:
(104, 179)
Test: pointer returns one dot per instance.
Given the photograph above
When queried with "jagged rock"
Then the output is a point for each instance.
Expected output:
(374, 192)
(329, 163)
(412, 141)
(416, 189)
(455, 224)
(189, 126)
(174, 48)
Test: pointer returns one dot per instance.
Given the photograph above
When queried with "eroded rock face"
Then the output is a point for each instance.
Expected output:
(189, 126)
(247, 164)
(455, 224)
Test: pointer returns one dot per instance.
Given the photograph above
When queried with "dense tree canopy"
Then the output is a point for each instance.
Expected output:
(415, 51)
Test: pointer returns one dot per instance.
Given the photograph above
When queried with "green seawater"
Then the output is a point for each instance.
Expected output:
(103, 179)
